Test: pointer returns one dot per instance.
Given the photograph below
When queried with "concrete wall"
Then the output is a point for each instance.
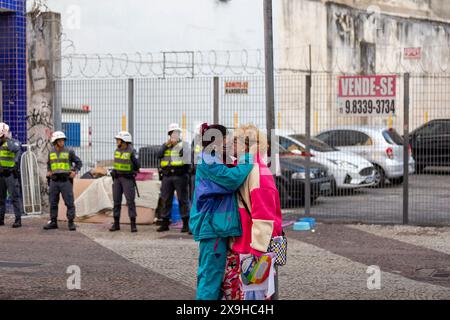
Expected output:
(349, 27)
(336, 31)
(441, 8)
(43, 65)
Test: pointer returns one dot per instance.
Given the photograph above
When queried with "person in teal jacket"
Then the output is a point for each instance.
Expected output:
(214, 215)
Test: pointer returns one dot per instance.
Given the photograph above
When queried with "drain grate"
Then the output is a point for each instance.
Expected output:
(12, 264)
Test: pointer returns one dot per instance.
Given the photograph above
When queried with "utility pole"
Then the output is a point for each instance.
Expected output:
(270, 95)
(308, 86)
(406, 110)
(269, 73)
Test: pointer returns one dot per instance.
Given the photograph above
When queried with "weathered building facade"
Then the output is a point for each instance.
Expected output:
(368, 37)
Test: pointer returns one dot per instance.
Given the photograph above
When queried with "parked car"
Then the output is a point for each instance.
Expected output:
(431, 144)
(380, 146)
(349, 170)
(291, 181)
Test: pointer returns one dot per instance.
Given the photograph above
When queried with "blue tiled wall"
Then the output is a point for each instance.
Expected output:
(13, 65)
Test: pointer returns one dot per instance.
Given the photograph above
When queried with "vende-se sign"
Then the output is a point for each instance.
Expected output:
(367, 95)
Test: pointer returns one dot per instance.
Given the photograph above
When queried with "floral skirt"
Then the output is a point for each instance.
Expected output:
(232, 285)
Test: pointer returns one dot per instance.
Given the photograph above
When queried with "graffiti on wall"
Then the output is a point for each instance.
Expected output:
(40, 128)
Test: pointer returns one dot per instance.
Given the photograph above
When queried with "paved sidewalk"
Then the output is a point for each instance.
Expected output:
(328, 264)
(33, 265)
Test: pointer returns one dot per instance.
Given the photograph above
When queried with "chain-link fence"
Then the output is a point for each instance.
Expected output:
(357, 150)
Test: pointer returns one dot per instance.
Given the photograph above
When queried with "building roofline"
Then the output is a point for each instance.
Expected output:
(434, 19)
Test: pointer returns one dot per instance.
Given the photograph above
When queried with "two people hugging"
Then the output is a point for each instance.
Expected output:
(236, 210)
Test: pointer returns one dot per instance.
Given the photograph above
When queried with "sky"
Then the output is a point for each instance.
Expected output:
(116, 26)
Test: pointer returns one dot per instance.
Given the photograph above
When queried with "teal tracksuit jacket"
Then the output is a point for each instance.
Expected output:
(214, 218)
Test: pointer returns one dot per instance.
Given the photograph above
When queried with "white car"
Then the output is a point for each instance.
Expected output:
(350, 171)
(381, 146)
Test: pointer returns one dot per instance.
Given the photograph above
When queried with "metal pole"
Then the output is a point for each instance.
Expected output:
(216, 100)
(406, 149)
(308, 145)
(270, 94)
(57, 102)
(269, 76)
(131, 106)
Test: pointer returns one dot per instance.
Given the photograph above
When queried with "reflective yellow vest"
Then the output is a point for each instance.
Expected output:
(7, 158)
(172, 157)
(59, 161)
(122, 160)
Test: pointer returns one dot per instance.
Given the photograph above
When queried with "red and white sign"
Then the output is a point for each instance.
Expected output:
(236, 87)
(413, 53)
(367, 95)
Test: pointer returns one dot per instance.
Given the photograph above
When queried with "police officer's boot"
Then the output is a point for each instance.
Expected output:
(164, 226)
(133, 225)
(116, 225)
(72, 226)
(53, 224)
(185, 227)
(2, 219)
(17, 223)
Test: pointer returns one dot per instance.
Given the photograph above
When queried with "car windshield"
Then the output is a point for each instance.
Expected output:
(316, 144)
(392, 137)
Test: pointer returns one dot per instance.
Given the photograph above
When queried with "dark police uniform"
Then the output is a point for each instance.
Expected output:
(175, 177)
(60, 164)
(126, 165)
(10, 151)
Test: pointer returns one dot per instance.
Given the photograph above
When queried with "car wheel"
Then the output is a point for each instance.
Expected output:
(380, 178)
(397, 181)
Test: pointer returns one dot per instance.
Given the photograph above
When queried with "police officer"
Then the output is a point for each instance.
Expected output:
(126, 166)
(175, 167)
(63, 166)
(10, 151)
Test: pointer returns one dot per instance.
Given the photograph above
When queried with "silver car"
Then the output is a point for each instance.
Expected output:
(381, 146)
(349, 170)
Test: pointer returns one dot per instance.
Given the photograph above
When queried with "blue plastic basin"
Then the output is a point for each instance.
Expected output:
(302, 226)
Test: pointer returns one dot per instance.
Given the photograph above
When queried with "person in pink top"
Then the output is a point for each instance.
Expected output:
(260, 195)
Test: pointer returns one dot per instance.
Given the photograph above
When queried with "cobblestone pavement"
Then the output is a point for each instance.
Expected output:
(432, 238)
(315, 269)
(33, 265)
(328, 264)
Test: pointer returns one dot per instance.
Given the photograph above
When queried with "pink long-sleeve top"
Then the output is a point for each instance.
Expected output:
(261, 196)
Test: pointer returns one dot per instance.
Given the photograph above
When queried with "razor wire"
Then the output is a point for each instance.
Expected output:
(245, 62)
(343, 58)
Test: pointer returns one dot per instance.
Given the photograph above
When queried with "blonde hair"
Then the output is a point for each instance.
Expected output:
(254, 135)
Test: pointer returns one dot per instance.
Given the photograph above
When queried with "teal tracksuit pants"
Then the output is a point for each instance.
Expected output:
(211, 268)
